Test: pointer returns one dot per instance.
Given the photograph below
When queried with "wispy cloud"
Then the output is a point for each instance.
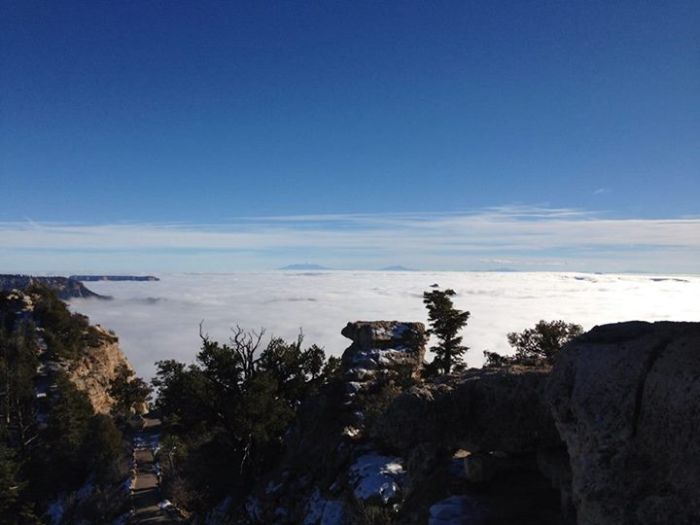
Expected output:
(521, 234)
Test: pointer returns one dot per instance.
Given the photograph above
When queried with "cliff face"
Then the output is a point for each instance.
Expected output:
(97, 359)
(95, 368)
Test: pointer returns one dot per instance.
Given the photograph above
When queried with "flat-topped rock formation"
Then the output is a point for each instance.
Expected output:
(93, 278)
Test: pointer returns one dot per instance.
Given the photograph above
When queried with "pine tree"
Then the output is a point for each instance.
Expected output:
(445, 323)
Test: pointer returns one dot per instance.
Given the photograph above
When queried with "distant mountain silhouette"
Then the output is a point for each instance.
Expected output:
(304, 266)
(91, 278)
(397, 268)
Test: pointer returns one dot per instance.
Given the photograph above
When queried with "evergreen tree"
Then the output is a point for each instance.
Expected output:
(446, 321)
(226, 415)
(544, 341)
(128, 391)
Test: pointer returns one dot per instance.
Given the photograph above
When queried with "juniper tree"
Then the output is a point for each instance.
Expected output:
(446, 321)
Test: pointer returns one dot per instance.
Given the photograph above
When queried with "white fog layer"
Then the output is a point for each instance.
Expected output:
(160, 320)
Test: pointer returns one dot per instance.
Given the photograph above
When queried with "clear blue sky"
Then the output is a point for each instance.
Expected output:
(202, 112)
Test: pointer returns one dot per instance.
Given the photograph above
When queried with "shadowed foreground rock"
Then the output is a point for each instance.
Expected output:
(626, 399)
(609, 436)
(482, 410)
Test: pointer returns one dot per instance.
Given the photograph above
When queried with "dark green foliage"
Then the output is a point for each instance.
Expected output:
(37, 462)
(66, 333)
(17, 370)
(494, 360)
(10, 486)
(538, 345)
(77, 444)
(544, 340)
(102, 447)
(58, 459)
(446, 321)
(129, 392)
(226, 414)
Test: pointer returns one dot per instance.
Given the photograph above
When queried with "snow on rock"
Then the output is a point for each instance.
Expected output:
(123, 519)
(85, 490)
(320, 511)
(377, 477)
(333, 513)
(456, 510)
(55, 512)
(218, 515)
(253, 508)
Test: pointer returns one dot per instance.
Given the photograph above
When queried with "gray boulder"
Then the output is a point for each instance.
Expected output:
(626, 400)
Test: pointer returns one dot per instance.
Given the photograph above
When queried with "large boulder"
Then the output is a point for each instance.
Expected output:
(626, 400)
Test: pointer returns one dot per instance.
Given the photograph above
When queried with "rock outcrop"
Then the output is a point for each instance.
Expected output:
(66, 288)
(333, 473)
(481, 411)
(382, 352)
(609, 435)
(626, 400)
(91, 368)
(95, 368)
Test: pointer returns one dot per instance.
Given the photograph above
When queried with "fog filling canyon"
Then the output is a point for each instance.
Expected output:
(160, 320)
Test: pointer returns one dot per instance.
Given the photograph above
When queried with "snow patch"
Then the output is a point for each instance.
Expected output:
(320, 511)
(55, 512)
(456, 510)
(377, 476)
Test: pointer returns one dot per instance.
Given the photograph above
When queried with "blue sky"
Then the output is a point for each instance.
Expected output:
(243, 116)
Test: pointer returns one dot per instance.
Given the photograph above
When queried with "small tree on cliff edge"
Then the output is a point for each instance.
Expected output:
(544, 341)
(445, 323)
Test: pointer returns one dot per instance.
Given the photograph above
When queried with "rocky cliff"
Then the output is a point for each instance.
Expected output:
(94, 356)
(609, 435)
(95, 367)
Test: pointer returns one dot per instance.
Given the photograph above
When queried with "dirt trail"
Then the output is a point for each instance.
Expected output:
(146, 496)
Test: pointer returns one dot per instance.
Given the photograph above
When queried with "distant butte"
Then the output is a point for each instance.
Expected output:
(114, 278)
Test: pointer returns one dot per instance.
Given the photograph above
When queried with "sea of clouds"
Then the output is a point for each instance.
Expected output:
(160, 320)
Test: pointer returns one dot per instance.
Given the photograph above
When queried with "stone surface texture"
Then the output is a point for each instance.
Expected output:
(626, 400)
